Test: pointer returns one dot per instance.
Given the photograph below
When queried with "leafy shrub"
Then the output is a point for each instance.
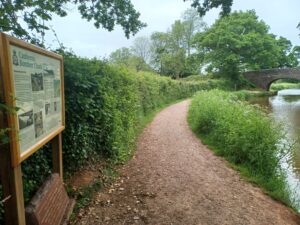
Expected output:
(35, 170)
(104, 109)
(244, 135)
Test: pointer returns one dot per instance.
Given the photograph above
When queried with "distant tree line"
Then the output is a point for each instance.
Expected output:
(169, 53)
(235, 43)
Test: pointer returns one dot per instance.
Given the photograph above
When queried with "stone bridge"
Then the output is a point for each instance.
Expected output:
(264, 78)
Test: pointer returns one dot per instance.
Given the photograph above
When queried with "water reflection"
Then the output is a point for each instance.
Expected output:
(290, 98)
(285, 108)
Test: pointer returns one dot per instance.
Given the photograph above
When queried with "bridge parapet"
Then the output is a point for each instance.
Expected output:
(264, 78)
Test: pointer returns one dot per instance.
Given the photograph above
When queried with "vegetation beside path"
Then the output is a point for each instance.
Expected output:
(244, 135)
(106, 107)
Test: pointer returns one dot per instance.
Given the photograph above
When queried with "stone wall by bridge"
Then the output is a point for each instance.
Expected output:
(264, 78)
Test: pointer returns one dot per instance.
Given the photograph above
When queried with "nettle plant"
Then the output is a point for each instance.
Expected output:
(5, 109)
(4, 139)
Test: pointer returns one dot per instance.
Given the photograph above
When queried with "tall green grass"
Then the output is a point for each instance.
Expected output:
(244, 135)
(281, 86)
(245, 95)
(208, 79)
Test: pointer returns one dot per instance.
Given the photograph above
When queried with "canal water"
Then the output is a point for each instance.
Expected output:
(285, 109)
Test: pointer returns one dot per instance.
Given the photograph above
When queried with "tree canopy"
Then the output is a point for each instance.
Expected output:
(171, 50)
(28, 19)
(203, 6)
(142, 48)
(129, 58)
(168, 53)
(240, 42)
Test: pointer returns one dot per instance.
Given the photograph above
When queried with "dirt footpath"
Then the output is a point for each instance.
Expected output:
(173, 179)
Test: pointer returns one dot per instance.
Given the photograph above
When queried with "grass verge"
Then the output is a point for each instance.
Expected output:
(281, 86)
(245, 136)
(246, 94)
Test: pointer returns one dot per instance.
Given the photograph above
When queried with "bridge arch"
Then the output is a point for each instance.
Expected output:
(264, 78)
(270, 84)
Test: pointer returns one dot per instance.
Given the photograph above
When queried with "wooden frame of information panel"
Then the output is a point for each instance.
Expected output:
(7, 44)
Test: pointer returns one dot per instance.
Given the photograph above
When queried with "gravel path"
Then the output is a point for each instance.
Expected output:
(174, 179)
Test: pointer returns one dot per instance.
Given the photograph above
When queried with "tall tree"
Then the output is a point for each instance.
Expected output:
(126, 57)
(287, 54)
(176, 35)
(159, 48)
(121, 57)
(28, 19)
(296, 53)
(192, 24)
(171, 50)
(240, 42)
(142, 48)
(169, 54)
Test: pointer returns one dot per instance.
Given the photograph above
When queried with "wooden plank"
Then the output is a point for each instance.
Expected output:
(34, 48)
(11, 178)
(4, 176)
(40, 144)
(62, 81)
(57, 160)
(8, 98)
(17, 195)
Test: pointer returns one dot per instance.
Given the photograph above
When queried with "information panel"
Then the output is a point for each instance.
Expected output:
(38, 95)
(33, 83)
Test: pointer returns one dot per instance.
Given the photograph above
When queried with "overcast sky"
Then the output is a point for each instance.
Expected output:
(85, 40)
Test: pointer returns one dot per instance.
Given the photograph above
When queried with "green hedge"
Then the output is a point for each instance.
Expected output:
(104, 109)
(244, 135)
